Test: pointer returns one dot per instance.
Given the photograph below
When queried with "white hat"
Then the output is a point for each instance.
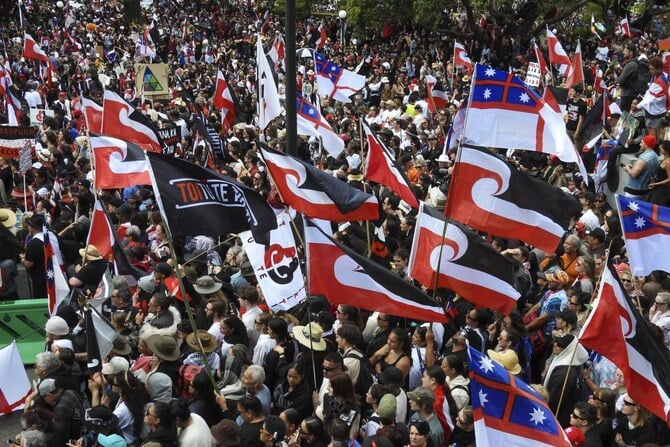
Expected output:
(57, 326)
(443, 158)
(116, 365)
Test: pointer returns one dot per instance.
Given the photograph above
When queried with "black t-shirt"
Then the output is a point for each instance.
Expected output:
(575, 107)
(91, 274)
(250, 434)
(35, 254)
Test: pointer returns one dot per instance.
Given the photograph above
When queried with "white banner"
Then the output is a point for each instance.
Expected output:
(277, 267)
(533, 75)
(37, 116)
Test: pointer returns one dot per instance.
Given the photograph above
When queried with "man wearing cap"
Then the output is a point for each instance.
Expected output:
(643, 169)
(66, 409)
(33, 258)
(421, 401)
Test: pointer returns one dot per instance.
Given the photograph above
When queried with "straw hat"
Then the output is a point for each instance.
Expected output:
(90, 253)
(310, 336)
(507, 358)
(8, 219)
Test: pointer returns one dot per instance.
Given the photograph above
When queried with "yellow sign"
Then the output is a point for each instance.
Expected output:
(152, 81)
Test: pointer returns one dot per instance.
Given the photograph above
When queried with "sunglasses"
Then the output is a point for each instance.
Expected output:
(574, 415)
(628, 404)
(329, 369)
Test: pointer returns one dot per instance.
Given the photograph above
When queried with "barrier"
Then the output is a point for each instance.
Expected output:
(23, 321)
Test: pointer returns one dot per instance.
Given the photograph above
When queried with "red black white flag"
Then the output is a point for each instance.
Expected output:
(224, 99)
(381, 167)
(616, 330)
(315, 193)
(195, 200)
(469, 266)
(32, 50)
(92, 115)
(490, 195)
(437, 97)
(118, 164)
(121, 120)
(345, 277)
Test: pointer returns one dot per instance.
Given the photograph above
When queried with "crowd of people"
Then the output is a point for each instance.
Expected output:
(321, 374)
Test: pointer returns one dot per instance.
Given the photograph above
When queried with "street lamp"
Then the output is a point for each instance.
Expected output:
(343, 26)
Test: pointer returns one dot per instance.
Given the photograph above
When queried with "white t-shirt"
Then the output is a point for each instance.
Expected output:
(126, 421)
(195, 435)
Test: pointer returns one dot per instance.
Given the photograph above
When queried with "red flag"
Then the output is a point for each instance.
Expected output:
(576, 72)
(14, 382)
(101, 233)
(346, 277)
(436, 96)
(540, 60)
(278, 52)
(625, 27)
(121, 120)
(321, 41)
(616, 330)
(461, 57)
(381, 168)
(469, 266)
(118, 164)
(490, 195)
(315, 193)
(57, 287)
(223, 99)
(31, 50)
(557, 54)
(92, 115)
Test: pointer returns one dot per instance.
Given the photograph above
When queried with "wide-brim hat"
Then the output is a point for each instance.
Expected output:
(208, 341)
(90, 253)
(310, 336)
(205, 285)
(121, 346)
(163, 346)
(8, 218)
(506, 358)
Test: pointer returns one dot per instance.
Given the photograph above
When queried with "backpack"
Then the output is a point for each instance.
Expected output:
(185, 375)
(641, 83)
(366, 375)
(464, 388)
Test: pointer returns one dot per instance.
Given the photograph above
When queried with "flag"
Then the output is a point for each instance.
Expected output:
(101, 234)
(594, 29)
(436, 96)
(470, 267)
(556, 98)
(77, 46)
(268, 98)
(14, 381)
(557, 54)
(277, 52)
(456, 128)
(57, 287)
(195, 200)
(592, 126)
(321, 40)
(616, 330)
(335, 81)
(265, 26)
(310, 122)
(277, 266)
(540, 59)
(576, 71)
(461, 57)
(625, 27)
(346, 277)
(32, 50)
(144, 49)
(224, 100)
(316, 193)
(490, 195)
(500, 104)
(118, 164)
(508, 411)
(645, 229)
(100, 336)
(121, 120)
(92, 115)
(381, 167)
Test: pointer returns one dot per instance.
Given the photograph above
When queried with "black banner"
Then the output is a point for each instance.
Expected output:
(171, 136)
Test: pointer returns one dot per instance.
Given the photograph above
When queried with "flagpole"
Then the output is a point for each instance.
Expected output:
(637, 297)
(309, 313)
(367, 222)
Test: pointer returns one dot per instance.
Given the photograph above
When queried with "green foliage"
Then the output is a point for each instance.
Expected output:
(302, 8)
(428, 14)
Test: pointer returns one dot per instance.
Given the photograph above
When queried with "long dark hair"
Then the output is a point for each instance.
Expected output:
(343, 390)
(134, 395)
(436, 372)
(239, 334)
(204, 392)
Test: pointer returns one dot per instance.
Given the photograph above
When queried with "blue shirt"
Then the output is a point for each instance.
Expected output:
(553, 302)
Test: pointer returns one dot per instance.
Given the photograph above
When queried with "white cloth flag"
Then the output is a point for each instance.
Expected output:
(277, 266)
(268, 98)
(14, 382)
